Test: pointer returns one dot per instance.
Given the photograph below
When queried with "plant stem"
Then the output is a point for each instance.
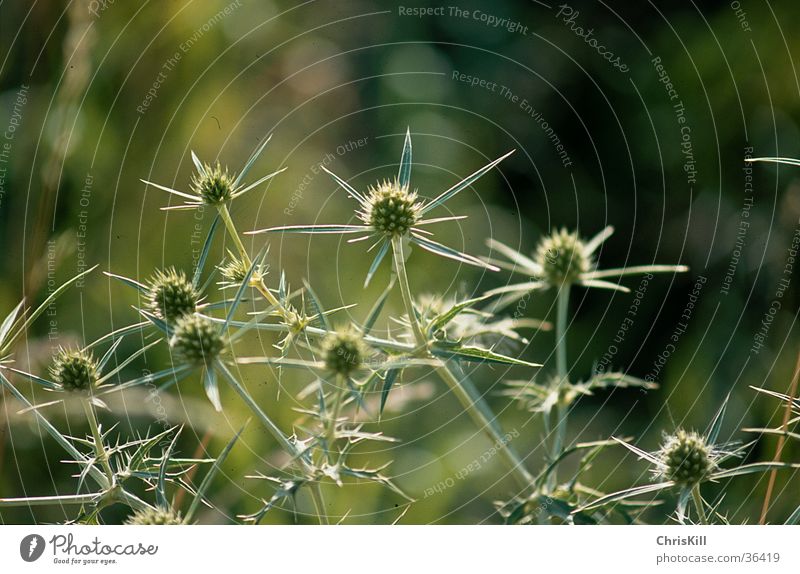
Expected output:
(262, 416)
(405, 290)
(513, 461)
(287, 446)
(787, 411)
(475, 406)
(99, 447)
(319, 503)
(698, 504)
(562, 308)
(234, 233)
(330, 432)
(261, 287)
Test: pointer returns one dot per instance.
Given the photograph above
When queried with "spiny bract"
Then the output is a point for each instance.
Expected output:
(215, 186)
(196, 339)
(686, 458)
(562, 258)
(391, 209)
(172, 295)
(344, 352)
(74, 370)
(154, 517)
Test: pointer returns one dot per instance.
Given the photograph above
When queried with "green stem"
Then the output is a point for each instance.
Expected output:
(524, 478)
(319, 503)
(234, 233)
(698, 504)
(330, 433)
(262, 416)
(475, 407)
(405, 290)
(259, 283)
(99, 447)
(562, 308)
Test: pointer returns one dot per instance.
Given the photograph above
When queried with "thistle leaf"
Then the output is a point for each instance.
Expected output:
(466, 182)
(404, 173)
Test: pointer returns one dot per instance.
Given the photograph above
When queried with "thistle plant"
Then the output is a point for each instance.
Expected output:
(348, 373)
(560, 261)
(791, 416)
(685, 461)
(392, 216)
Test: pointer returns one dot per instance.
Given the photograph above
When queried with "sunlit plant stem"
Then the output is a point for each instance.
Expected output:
(697, 498)
(562, 374)
(99, 447)
(470, 404)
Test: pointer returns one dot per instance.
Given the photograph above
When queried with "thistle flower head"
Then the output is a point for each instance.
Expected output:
(562, 258)
(235, 270)
(390, 209)
(214, 185)
(686, 458)
(171, 295)
(154, 517)
(344, 352)
(74, 370)
(196, 339)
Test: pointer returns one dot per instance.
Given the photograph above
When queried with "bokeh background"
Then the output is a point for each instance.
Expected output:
(98, 95)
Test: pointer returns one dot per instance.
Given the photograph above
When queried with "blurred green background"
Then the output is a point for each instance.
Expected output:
(96, 95)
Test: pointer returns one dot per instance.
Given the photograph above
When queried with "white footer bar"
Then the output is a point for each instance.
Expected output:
(400, 549)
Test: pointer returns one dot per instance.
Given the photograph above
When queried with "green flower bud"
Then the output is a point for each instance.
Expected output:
(687, 458)
(171, 295)
(215, 186)
(562, 258)
(74, 370)
(196, 339)
(391, 209)
(344, 352)
(235, 270)
(154, 516)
